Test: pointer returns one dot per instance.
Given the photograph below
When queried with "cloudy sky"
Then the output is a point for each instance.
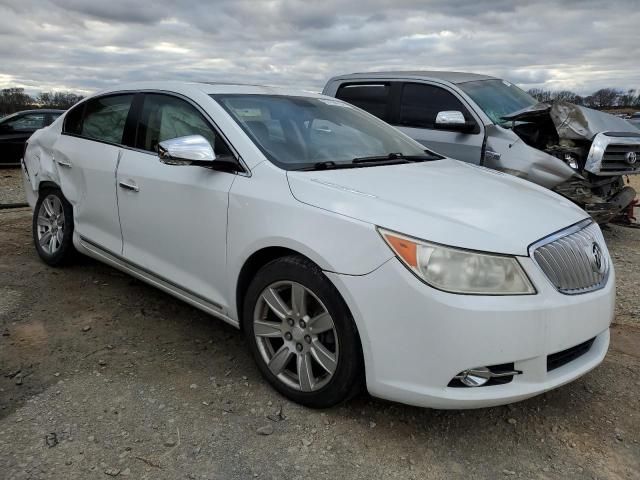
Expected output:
(84, 45)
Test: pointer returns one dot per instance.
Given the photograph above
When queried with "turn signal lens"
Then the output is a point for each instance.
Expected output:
(460, 271)
(404, 248)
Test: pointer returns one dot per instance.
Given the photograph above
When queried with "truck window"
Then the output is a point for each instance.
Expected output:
(372, 97)
(420, 104)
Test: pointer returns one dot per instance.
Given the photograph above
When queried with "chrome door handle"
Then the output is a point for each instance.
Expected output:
(129, 186)
(64, 164)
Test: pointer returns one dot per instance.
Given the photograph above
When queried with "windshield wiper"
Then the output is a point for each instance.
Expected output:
(390, 159)
(397, 157)
(327, 165)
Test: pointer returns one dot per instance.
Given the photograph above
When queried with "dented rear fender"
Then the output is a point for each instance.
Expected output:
(41, 164)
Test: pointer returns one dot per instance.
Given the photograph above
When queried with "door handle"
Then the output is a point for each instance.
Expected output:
(129, 186)
(64, 164)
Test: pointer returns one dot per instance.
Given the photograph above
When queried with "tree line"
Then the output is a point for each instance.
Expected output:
(603, 98)
(16, 99)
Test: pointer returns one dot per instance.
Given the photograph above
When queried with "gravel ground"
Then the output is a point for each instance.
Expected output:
(103, 376)
(11, 190)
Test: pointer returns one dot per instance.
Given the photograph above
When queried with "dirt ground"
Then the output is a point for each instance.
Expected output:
(11, 190)
(103, 376)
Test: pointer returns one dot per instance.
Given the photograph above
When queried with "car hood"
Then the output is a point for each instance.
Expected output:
(573, 122)
(444, 201)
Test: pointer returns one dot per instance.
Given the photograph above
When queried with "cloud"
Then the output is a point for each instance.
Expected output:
(83, 45)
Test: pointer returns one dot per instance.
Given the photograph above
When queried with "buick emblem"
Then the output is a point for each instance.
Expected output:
(631, 158)
(596, 258)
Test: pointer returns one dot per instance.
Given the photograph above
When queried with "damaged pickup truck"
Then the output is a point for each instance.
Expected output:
(580, 153)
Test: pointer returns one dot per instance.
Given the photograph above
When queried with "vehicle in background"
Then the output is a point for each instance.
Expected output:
(634, 119)
(16, 129)
(577, 152)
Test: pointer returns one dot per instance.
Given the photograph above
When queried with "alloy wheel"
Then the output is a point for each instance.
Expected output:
(296, 336)
(50, 224)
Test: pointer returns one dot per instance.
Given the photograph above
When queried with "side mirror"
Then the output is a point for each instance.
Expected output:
(189, 150)
(453, 120)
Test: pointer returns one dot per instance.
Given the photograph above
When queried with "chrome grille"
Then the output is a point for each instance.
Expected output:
(614, 160)
(569, 258)
(608, 154)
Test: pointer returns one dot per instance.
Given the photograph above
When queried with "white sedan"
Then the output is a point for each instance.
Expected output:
(346, 253)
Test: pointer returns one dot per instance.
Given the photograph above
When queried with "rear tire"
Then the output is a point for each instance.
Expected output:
(301, 334)
(53, 228)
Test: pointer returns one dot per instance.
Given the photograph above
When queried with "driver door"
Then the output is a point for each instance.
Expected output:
(419, 106)
(174, 218)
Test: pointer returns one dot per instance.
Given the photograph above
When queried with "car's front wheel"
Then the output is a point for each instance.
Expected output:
(302, 334)
(53, 227)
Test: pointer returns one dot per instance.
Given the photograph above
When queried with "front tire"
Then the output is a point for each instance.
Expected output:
(53, 228)
(301, 334)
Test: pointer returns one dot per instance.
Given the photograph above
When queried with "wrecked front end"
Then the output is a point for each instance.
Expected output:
(580, 153)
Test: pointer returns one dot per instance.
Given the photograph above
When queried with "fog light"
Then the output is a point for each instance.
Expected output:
(474, 377)
(480, 376)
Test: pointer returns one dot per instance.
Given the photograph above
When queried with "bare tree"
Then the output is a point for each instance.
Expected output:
(61, 100)
(14, 100)
(565, 96)
(605, 98)
(541, 95)
(630, 99)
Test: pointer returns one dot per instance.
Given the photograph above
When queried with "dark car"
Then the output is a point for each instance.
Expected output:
(15, 130)
(634, 119)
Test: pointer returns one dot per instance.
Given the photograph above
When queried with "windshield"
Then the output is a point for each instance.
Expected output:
(299, 132)
(497, 98)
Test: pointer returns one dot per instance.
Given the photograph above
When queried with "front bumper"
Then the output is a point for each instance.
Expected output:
(416, 339)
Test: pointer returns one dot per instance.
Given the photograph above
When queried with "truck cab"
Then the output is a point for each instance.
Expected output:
(578, 152)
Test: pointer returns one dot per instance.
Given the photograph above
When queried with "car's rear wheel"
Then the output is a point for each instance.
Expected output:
(302, 334)
(53, 228)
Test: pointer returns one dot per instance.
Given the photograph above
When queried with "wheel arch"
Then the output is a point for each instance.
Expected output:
(48, 184)
(259, 259)
(263, 256)
(252, 265)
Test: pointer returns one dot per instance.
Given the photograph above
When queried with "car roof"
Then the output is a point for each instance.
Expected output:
(451, 77)
(38, 110)
(208, 88)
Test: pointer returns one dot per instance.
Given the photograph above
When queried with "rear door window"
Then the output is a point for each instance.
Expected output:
(104, 118)
(73, 120)
(420, 104)
(372, 97)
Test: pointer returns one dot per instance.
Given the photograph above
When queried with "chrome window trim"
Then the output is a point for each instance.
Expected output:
(575, 228)
(246, 170)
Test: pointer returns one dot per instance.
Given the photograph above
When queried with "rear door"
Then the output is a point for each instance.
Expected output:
(373, 97)
(419, 104)
(86, 156)
(174, 218)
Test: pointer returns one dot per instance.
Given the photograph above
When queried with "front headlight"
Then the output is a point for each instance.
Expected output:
(460, 271)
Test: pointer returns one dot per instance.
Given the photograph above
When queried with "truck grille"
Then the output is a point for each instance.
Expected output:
(574, 260)
(614, 154)
(614, 159)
